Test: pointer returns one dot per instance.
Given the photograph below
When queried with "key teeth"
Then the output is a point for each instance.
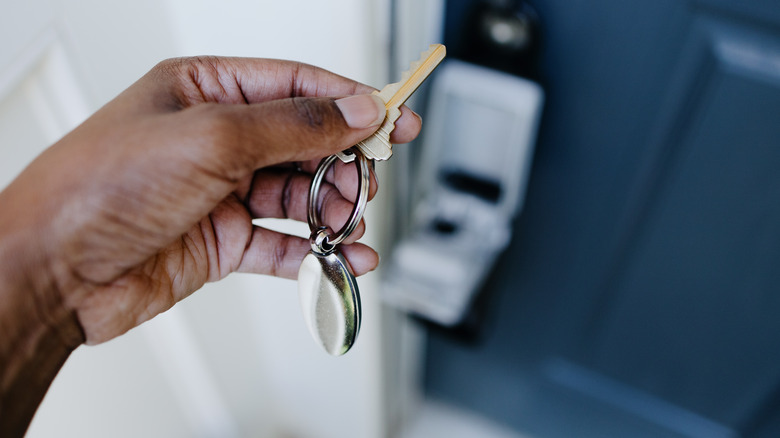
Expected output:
(416, 64)
(412, 68)
(378, 146)
(392, 115)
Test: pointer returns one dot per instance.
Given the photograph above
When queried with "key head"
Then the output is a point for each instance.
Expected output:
(378, 146)
(375, 149)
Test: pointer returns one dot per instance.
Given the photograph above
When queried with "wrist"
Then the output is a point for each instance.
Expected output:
(37, 331)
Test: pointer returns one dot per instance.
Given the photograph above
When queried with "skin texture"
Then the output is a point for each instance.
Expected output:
(153, 196)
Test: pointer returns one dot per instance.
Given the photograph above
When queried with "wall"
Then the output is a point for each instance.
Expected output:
(235, 358)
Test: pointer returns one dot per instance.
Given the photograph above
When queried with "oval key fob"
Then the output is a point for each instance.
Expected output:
(330, 300)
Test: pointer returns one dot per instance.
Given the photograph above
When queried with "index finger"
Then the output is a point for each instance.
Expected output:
(253, 80)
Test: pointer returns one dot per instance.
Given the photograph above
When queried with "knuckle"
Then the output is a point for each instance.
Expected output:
(187, 63)
(332, 208)
(315, 114)
(279, 256)
(287, 195)
(168, 65)
(174, 67)
(188, 73)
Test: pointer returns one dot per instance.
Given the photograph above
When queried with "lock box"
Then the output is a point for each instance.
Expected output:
(478, 144)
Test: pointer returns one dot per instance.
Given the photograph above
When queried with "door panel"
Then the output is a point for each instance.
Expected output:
(696, 284)
(638, 297)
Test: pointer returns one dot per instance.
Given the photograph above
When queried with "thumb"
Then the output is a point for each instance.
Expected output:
(292, 129)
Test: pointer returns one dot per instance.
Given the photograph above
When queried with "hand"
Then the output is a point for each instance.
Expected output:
(153, 196)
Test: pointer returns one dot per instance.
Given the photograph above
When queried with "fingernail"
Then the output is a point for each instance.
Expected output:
(362, 111)
(418, 117)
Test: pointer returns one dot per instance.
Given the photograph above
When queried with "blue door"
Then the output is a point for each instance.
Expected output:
(641, 293)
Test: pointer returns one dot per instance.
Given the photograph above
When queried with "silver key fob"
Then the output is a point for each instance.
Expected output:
(330, 301)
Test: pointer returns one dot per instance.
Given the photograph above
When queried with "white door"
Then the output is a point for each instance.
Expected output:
(235, 358)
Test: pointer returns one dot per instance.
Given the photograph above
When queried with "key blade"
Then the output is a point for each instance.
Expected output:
(412, 78)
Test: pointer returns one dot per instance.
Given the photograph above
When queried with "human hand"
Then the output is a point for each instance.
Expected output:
(153, 196)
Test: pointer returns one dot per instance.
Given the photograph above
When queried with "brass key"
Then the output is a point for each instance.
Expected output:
(378, 147)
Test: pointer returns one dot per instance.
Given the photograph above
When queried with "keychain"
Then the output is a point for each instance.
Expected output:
(327, 287)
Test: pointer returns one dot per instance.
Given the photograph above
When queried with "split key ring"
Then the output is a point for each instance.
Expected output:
(322, 241)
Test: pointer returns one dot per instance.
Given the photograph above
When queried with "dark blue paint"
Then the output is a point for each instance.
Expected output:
(649, 245)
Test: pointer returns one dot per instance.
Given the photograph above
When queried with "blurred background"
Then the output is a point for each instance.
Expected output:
(583, 242)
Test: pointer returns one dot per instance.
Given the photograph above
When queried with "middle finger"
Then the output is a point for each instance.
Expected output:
(283, 193)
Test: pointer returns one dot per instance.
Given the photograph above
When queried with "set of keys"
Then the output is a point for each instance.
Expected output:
(327, 287)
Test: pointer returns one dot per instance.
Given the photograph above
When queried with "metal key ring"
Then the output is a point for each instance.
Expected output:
(326, 243)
